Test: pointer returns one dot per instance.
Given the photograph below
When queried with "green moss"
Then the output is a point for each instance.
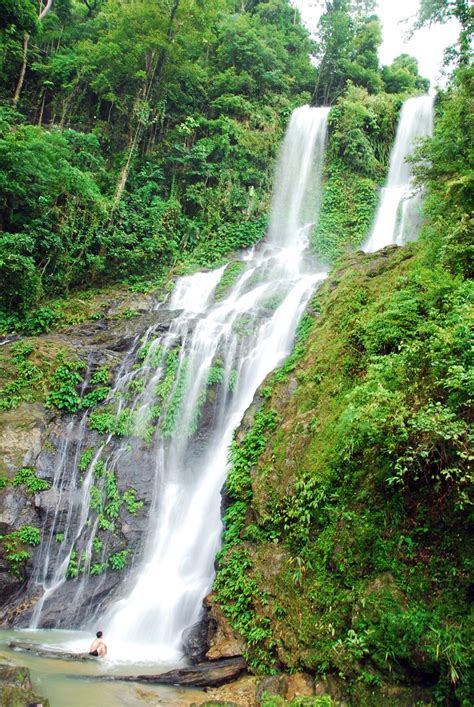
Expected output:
(347, 211)
(228, 279)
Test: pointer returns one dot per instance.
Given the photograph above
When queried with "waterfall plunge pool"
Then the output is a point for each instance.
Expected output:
(65, 683)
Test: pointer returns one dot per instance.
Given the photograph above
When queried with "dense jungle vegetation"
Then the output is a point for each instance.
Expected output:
(348, 543)
(135, 135)
(137, 139)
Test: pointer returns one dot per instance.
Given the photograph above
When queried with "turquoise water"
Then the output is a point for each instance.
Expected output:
(66, 683)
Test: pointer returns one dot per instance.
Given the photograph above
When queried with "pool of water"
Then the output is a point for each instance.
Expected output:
(75, 684)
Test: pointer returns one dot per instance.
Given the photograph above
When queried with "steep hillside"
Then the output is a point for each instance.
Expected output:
(347, 546)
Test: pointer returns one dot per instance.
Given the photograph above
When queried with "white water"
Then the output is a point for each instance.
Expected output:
(250, 332)
(398, 214)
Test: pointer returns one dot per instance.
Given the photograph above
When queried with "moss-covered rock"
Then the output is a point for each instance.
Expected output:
(16, 689)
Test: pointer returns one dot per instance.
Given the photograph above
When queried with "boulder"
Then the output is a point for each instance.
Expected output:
(299, 685)
(195, 640)
(276, 685)
(16, 689)
(222, 640)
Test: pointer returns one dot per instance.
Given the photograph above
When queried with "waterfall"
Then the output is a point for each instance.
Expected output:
(185, 399)
(398, 213)
(221, 348)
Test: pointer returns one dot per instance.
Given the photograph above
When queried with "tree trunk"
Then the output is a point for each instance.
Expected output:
(26, 40)
(156, 72)
(126, 169)
(40, 119)
(21, 78)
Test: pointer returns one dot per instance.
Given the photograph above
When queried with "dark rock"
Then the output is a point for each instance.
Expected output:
(210, 674)
(195, 640)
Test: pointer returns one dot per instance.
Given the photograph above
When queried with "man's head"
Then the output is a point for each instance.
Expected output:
(99, 634)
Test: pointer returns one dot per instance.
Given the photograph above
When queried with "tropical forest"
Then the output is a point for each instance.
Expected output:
(236, 353)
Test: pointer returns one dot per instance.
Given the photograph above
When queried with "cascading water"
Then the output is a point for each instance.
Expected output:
(236, 341)
(398, 214)
(187, 397)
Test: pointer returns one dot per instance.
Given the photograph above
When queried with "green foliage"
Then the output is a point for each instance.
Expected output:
(85, 460)
(348, 209)
(269, 700)
(361, 132)
(176, 386)
(14, 548)
(63, 394)
(98, 568)
(114, 500)
(72, 571)
(244, 456)
(444, 165)
(215, 375)
(100, 377)
(27, 477)
(402, 76)
(94, 397)
(21, 380)
(99, 468)
(29, 535)
(118, 560)
(18, 13)
(132, 504)
(348, 51)
(104, 422)
(355, 512)
(96, 545)
(95, 500)
(236, 591)
(190, 122)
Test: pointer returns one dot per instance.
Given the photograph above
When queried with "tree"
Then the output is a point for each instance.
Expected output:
(335, 34)
(45, 7)
(348, 44)
(432, 11)
(402, 76)
(19, 13)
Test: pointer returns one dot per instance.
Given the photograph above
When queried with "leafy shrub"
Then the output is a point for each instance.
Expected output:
(14, 548)
(27, 477)
(118, 560)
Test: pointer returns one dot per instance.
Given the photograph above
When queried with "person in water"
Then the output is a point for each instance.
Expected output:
(98, 647)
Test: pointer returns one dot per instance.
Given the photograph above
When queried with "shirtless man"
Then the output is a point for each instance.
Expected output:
(98, 647)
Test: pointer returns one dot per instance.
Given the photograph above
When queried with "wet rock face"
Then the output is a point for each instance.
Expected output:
(34, 436)
(195, 642)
